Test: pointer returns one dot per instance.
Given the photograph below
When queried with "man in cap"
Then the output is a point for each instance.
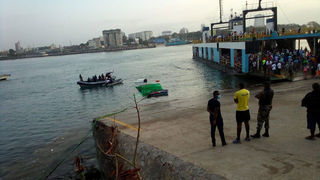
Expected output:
(265, 105)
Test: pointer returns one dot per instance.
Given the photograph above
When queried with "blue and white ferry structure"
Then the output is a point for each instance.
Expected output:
(231, 53)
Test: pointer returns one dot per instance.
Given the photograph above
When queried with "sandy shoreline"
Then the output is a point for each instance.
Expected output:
(182, 128)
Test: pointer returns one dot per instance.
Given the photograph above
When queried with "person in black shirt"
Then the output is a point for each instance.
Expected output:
(265, 105)
(80, 77)
(215, 118)
(312, 102)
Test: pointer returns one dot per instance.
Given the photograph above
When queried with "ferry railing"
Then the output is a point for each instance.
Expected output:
(256, 35)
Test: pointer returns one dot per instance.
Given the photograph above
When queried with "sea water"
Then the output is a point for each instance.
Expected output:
(44, 113)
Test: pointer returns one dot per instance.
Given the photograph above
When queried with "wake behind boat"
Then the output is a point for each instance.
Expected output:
(103, 80)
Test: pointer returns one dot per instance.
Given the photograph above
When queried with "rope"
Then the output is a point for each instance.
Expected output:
(83, 139)
(285, 15)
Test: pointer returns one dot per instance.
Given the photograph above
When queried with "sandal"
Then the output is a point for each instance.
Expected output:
(310, 138)
(237, 141)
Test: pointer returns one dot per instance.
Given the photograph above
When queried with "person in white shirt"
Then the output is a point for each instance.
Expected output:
(254, 65)
(274, 68)
(279, 68)
(268, 64)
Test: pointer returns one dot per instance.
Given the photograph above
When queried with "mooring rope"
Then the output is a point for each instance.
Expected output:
(83, 139)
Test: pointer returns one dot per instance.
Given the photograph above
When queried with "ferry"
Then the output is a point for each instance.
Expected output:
(233, 51)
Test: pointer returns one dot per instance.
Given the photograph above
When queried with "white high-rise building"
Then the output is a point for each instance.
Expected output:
(259, 21)
(95, 43)
(112, 38)
(18, 46)
(144, 35)
(166, 33)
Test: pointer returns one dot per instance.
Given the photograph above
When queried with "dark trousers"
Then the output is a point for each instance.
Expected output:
(218, 124)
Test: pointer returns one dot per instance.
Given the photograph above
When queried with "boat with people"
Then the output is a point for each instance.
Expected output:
(4, 77)
(100, 81)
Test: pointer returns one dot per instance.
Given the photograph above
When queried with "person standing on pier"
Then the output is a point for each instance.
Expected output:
(265, 105)
(312, 102)
(216, 118)
(241, 98)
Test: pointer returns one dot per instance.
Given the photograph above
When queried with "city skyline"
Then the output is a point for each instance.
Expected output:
(38, 23)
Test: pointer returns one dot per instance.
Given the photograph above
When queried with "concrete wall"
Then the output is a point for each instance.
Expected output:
(154, 163)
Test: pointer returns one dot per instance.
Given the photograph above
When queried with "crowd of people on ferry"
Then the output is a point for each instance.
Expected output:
(96, 78)
(286, 61)
(255, 34)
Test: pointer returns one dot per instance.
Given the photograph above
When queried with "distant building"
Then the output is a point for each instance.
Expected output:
(53, 46)
(18, 47)
(112, 38)
(144, 36)
(259, 21)
(95, 43)
(159, 41)
(183, 31)
(166, 33)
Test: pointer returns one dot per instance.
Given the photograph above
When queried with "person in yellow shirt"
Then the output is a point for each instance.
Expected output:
(241, 98)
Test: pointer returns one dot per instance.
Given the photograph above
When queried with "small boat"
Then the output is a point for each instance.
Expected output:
(115, 82)
(163, 92)
(105, 83)
(4, 77)
(150, 90)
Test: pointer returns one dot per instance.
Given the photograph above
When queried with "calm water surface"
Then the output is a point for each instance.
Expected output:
(44, 113)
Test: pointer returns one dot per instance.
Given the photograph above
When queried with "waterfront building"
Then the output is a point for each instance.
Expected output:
(112, 38)
(166, 33)
(183, 31)
(144, 35)
(18, 47)
(95, 43)
(53, 46)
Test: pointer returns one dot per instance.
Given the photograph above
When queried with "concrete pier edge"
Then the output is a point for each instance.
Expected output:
(154, 163)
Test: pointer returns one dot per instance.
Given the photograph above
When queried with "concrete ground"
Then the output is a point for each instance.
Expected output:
(182, 128)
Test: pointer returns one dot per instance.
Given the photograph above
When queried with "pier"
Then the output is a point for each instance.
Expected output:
(182, 129)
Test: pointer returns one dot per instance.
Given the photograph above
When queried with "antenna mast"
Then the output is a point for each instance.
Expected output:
(220, 5)
(259, 4)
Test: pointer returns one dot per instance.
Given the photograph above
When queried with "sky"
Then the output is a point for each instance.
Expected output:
(63, 22)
